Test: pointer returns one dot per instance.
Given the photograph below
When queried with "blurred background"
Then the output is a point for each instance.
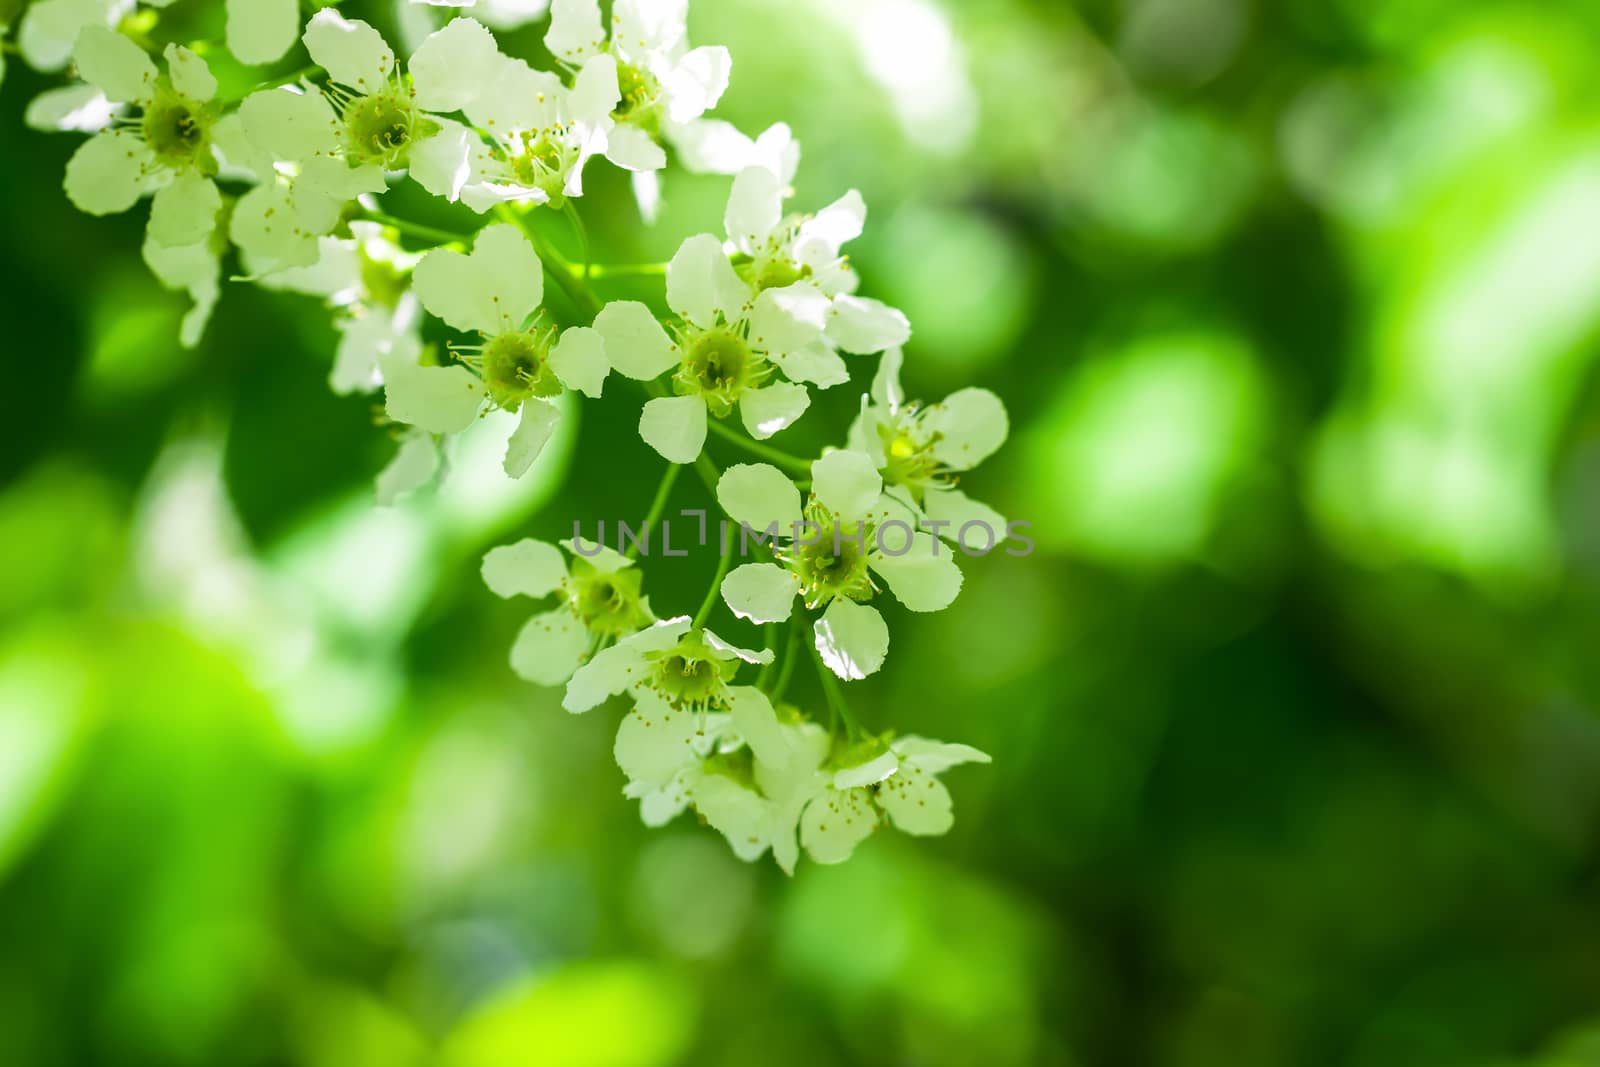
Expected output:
(1295, 306)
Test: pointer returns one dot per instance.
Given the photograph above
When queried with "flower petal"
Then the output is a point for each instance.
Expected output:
(527, 568)
(290, 125)
(533, 432)
(352, 52)
(846, 483)
(80, 108)
(935, 756)
(886, 388)
(970, 523)
(971, 426)
(454, 66)
(775, 407)
(636, 345)
(623, 664)
(735, 811)
(695, 84)
(757, 723)
(755, 205)
(675, 426)
(261, 31)
(184, 212)
(852, 639)
(411, 468)
(436, 399)
(788, 319)
(595, 92)
(575, 32)
(860, 325)
(760, 496)
(655, 741)
(550, 647)
(874, 770)
(917, 802)
(442, 162)
(189, 74)
(817, 363)
(837, 224)
(701, 283)
(835, 823)
(761, 592)
(925, 577)
(490, 291)
(108, 173)
(632, 149)
(115, 64)
(579, 360)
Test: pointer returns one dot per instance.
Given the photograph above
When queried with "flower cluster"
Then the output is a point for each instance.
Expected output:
(285, 180)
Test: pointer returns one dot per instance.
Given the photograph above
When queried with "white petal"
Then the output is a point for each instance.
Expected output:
(491, 291)
(632, 149)
(935, 756)
(835, 823)
(442, 163)
(816, 363)
(50, 28)
(185, 211)
(886, 388)
(325, 185)
(916, 802)
(701, 283)
(454, 66)
(984, 527)
(362, 340)
(575, 30)
(194, 268)
(115, 64)
(189, 74)
(657, 807)
(623, 664)
(533, 432)
(352, 52)
(527, 568)
(760, 496)
(595, 93)
(108, 173)
(971, 425)
(776, 407)
(654, 741)
(876, 769)
(787, 320)
(579, 360)
(727, 652)
(852, 639)
(757, 723)
(866, 432)
(261, 31)
(838, 223)
(675, 426)
(290, 125)
(598, 556)
(636, 345)
(646, 26)
(736, 812)
(761, 592)
(697, 82)
(925, 577)
(846, 483)
(436, 399)
(81, 108)
(550, 647)
(411, 468)
(268, 230)
(711, 146)
(755, 204)
(861, 326)
(517, 97)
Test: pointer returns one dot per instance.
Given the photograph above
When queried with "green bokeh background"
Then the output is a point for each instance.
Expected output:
(1294, 304)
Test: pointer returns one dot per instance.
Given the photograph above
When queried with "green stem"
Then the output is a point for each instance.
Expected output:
(758, 448)
(662, 492)
(555, 264)
(623, 270)
(791, 656)
(767, 671)
(286, 79)
(834, 694)
(724, 561)
(416, 229)
(571, 211)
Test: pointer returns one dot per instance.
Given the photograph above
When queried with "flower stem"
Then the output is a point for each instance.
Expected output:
(724, 561)
(623, 270)
(791, 656)
(765, 451)
(656, 506)
(582, 231)
(555, 264)
(834, 694)
(416, 229)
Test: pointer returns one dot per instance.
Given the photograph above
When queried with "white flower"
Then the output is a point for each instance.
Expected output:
(367, 277)
(495, 292)
(414, 464)
(921, 451)
(49, 28)
(340, 140)
(901, 784)
(688, 668)
(600, 601)
(540, 133)
(196, 269)
(726, 349)
(259, 31)
(711, 146)
(166, 149)
(665, 85)
(829, 553)
(773, 250)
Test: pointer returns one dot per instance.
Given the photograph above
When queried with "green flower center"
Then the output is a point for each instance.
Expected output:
(833, 566)
(778, 272)
(177, 130)
(640, 92)
(542, 164)
(909, 458)
(380, 128)
(719, 366)
(608, 603)
(516, 366)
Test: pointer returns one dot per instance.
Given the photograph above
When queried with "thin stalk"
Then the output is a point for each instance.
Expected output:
(416, 229)
(626, 270)
(660, 502)
(758, 448)
(571, 211)
(767, 670)
(724, 561)
(791, 656)
(834, 694)
(555, 264)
